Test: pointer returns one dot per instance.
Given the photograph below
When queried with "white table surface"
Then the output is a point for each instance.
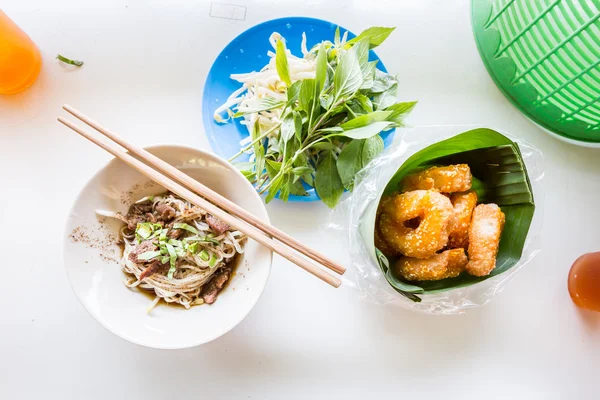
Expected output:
(145, 65)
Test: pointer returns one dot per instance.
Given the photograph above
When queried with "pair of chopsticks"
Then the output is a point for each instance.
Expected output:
(198, 194)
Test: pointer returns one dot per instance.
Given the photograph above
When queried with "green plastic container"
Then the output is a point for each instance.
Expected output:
(544, 55)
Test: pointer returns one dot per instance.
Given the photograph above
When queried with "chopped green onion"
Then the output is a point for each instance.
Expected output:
(172, 260)
(69, 61)
(144, 230)
(203, 239)
(150, 198)
(175, 242)
(164, 259)
(186, 227)
(194, 247)
(204, 255)
(213, 261)
(163, 235)
(211, 235)
(149, 255)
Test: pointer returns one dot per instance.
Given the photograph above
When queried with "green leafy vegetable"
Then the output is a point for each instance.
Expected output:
(355, 156)
(367, 131)
(375, 35)
(328, 182)
(282, 63)
(267, 103)
(213, 260)
(319, 130)
(69, 61)
(348, 76)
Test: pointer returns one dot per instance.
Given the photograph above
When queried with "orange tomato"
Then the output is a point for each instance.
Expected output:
(20, 59)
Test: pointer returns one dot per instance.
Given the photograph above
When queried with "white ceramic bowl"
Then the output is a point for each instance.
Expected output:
(91, 256)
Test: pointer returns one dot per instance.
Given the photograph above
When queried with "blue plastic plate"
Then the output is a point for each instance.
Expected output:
(248, 52)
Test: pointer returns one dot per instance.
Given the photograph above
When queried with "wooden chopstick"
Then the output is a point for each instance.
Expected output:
(207, 193)
(181, 191)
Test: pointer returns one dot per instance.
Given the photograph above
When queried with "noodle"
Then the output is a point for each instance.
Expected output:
(205, 250)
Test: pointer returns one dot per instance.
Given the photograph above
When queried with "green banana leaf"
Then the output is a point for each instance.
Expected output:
(499, 176)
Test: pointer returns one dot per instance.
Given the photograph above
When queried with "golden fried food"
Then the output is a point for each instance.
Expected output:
(463, 203)
(450, 179)
(380, 242)
(484, 238)
(448, 264)
(429, 211)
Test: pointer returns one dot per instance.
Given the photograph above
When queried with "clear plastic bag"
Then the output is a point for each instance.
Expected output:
(368, 278)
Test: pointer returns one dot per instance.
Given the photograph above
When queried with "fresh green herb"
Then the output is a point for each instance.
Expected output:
(321, 131)
(204, 255)
(282, 63)
(194, 247)
(149, 255)
(185, 227)
(172, 260)
(201, 239)
(69, 61)
(213, 261)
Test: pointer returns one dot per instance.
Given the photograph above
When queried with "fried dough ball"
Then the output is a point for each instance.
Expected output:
(448, 264)
(463, 203)
(416, 223)
(484, 239)
(450, 179)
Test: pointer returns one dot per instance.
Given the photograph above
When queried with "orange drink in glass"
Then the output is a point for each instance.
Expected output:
(20, 59)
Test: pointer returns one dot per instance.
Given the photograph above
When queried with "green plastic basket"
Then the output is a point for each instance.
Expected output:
(545, 57)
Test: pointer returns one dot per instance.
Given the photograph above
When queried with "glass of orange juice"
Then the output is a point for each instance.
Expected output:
(20, 59)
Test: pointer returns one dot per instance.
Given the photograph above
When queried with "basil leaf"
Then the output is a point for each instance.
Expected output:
(376, 35)
(267, 103)
(400, 111)
(297, 189)
(288, 127)
(328, 182)
(293, 92)
(306, 97)
(332, 129)
(361, 48)
(298, 125)
(366, 119)
(386, 99)
(321, 74)
(259, 152)
(355, 156)
(302, 170)
(275, 187)
(382, 81)
(281, 63)
(325, 146)
(347, 77)
(368, 75)
(367, 131)
(372, 148)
